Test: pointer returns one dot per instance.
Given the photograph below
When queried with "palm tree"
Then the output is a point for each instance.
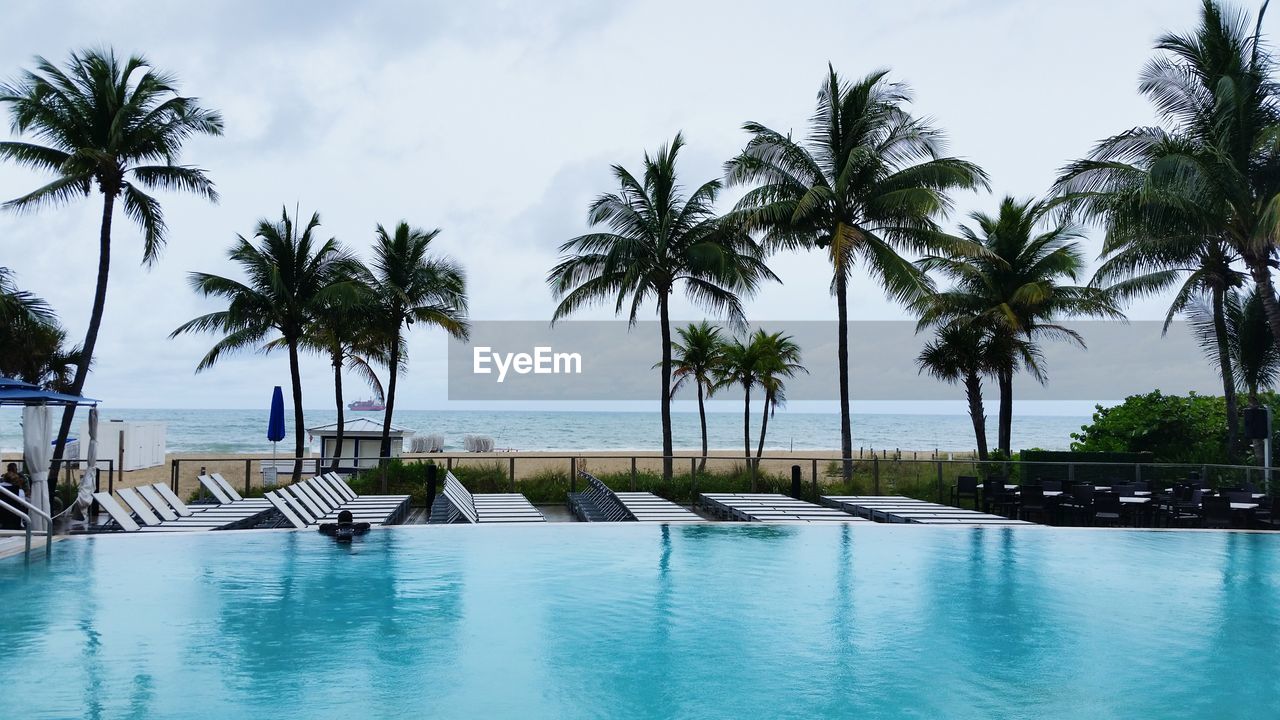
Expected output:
(657, 240)
(962, 353)
(1254, 353)
(33, 346)
(869, 183)
(779, 359)
(343, 333)
(290, 278)
(1014, 289)
(695, 356)
(1214, 92)
(412, 285)
(119, 127)
(740, 366)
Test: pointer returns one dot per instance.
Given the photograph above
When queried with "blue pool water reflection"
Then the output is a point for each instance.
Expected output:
(629, 621)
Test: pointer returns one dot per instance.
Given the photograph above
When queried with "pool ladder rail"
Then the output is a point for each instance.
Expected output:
(7, 501)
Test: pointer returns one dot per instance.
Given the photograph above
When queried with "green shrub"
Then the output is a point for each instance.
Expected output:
(1173, 428)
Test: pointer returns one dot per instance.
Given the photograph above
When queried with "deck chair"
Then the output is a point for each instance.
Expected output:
(461, 506)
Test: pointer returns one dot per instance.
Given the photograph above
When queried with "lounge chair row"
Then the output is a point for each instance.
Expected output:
(319, 499)
(896, 509)
(156, 508)
(769, 507)
(457, 504)
(599, 503)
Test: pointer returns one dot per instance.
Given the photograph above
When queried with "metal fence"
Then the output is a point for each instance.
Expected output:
(546, 478)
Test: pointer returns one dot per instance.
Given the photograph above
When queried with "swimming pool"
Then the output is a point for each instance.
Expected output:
(630, 621)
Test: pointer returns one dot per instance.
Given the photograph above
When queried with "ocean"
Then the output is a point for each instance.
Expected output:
(244, 431)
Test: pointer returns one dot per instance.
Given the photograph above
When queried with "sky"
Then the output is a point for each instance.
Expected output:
(498, 122)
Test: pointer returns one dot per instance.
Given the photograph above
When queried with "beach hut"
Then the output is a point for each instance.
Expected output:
(361, 442)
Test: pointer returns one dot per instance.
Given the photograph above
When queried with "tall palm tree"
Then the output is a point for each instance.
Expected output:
(1255, 355)
(695, 356)
(290, 277)
(740, 367)
(962, 353)
(119, 126)
(658, 240)
(779, 359)
(343, 333)
(868, 183)
(1219, 105)
(1014, 288)
(413, 286)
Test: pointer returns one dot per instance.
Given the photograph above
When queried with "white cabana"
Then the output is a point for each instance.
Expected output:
(37, 450)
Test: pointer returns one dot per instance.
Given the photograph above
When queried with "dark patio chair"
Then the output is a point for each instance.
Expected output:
(1031, 501)
(966, 488)
(1125, 490)
(1107, 509)
(1079, 504)
(995, 499)
(1216, 512)
(1051, 485)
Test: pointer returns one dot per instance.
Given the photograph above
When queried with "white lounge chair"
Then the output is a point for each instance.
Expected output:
(457, 504)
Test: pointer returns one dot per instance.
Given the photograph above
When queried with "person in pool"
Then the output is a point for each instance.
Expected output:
(344, 529)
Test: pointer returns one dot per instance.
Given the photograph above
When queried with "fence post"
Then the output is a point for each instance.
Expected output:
(939, 481)
(693, 470)
(875, 474)
(448, 463)
(246, 477)
(1071, 473)
(633, 473)
(814, 476)
(573, 474)
(513, 473)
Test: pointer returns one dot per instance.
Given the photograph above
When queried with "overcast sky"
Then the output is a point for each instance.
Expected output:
(497, 122)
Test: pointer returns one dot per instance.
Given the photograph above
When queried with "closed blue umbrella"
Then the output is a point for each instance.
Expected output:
(275, 426)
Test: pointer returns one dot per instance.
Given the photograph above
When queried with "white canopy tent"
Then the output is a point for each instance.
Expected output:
(37, 449)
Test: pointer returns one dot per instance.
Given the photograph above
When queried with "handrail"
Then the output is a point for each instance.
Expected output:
(26, 517)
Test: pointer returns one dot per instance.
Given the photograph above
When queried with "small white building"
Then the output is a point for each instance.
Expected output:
(361, 442)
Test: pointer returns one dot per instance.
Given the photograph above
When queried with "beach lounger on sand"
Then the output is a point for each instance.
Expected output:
(598, 503)
(895, 509)
(457, 504)
(768, 507)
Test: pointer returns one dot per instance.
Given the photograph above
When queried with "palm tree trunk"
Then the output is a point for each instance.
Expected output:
(1006, 410)
(295, 375)
(973, 391)
(385, 451)
(842, 353)
(1228, 373)
(666, 388)
(764, 425)
(91, 335)
(702, 418)
(1261, 273)
(337, 395)
(746, 433)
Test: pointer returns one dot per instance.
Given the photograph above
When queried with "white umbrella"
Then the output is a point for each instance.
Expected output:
(89, 480)
(37, 439)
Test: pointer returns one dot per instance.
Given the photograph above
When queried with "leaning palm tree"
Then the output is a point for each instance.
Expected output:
(342, 333)
(290, 277)
(1014, 290)
(657, 241)
(413, 286)
(962, 353)
(695, 356)
(119, 126)
(868, 184)
(778, 358)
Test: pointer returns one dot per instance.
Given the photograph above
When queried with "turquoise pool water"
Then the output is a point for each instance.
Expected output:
(618, 621)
